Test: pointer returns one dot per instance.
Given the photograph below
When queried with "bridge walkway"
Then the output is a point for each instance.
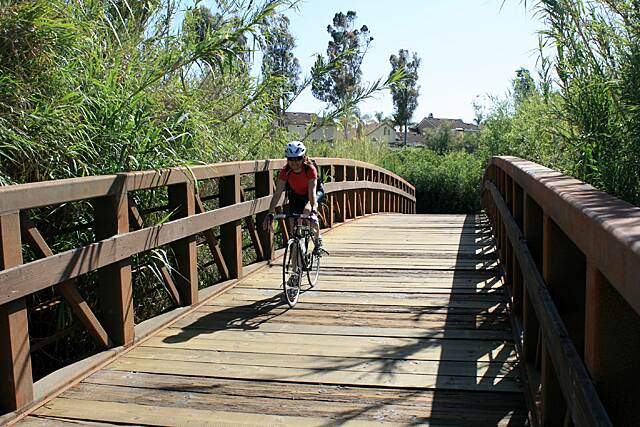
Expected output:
(407, 325)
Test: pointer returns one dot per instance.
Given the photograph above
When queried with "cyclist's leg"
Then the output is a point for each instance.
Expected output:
(316, 227)
(296, 206)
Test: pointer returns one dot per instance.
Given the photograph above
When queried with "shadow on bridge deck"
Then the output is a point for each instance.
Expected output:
(407, 325)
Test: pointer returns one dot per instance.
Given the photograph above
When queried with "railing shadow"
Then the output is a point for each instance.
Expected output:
(457, 370)
(246, 317)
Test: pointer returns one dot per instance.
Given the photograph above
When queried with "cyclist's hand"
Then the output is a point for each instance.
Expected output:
(267, 224)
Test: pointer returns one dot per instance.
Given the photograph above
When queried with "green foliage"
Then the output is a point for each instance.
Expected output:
(405, 92)
(447, 183)
(87, 90)
(444, 140)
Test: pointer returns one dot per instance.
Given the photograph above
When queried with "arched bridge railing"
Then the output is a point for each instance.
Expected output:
(215, 208)
(571, 256)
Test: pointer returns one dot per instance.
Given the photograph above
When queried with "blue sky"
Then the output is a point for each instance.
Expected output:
(468, 48)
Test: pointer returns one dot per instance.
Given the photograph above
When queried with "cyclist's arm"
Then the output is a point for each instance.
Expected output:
(280, 184)
(311, 189)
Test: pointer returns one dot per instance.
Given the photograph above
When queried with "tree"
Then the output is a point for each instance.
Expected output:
(346, 50)
(405, 91)
(279, 62)
(523, 86)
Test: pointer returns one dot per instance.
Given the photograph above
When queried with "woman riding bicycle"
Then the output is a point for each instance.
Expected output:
(299, 177)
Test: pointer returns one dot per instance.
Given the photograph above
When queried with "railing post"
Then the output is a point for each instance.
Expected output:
(362, 194)
(387, 195)
(612, 346)
(182, 202)
(382, 202)
(115, 292)
(264, 188)
(327, 172)
(533, 234)
(341, 196)
(370, 196)
(231, 232)
(375, 202)
(352, 196)
(394, 201)
(16, 380)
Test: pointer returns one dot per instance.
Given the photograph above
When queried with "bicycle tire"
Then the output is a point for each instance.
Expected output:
(291, 277)
(313, 269)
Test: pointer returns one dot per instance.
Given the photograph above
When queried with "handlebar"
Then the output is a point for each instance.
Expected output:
(292, 215)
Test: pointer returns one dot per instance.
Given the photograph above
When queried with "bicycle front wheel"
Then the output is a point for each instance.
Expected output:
(291, 272)
(313, 269)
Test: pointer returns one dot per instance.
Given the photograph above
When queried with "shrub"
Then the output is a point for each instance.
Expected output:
(445, 183)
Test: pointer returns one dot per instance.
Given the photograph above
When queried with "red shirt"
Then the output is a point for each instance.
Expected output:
(298, 182)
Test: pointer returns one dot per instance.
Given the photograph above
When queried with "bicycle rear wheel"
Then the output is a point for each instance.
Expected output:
(291, 272)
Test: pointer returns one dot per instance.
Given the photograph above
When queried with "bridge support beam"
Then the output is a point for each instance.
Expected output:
(16, 380)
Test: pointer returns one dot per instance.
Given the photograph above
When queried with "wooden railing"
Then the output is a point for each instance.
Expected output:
(571, 256)
(354, 189)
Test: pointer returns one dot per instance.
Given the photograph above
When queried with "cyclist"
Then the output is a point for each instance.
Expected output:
(299, 178)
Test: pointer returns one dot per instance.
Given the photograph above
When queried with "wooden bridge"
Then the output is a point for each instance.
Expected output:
(525, 316)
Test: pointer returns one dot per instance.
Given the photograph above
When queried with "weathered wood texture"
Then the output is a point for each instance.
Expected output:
(120, 234)
(572, 262)
(406, 326)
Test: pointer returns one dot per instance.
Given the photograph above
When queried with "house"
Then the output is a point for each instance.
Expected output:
(433, 123)
(297, 124)
(380, 132)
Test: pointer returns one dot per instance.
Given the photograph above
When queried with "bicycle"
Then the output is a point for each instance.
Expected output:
(298, 258)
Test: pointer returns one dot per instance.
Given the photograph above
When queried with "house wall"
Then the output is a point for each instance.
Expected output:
(325, 133)
(383, 134)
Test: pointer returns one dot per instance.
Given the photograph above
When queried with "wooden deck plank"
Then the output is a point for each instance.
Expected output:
(317, 376)
(406, 327)
(320, 363)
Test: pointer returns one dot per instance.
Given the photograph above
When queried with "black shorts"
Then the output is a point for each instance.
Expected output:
(298, 202)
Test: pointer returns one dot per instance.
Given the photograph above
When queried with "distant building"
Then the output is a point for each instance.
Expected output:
(380, 132)
(297, 124)
(433, 123)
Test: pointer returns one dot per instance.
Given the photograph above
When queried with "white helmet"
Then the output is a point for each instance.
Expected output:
(295, 149)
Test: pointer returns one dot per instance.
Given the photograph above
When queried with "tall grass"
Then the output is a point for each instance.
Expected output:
(85, 90)
(585, 119)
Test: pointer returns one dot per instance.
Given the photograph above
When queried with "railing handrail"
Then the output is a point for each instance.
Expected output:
(571, 260)
(32, 195)
(356, 189)
(605, 228)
